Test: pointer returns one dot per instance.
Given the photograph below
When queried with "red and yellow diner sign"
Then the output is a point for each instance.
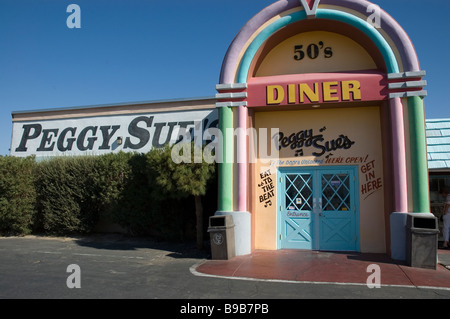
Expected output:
(316, 88)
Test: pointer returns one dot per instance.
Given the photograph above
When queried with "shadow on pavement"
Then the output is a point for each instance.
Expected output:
(123, 242)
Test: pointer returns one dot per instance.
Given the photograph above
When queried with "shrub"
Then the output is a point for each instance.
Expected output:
(129, 202)
(184, 179)
(17, 195)
(111, 175)
(67, 195)
(147, 194)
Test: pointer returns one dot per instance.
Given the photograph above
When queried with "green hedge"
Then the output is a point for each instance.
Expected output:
(68, 195)
(17, 195)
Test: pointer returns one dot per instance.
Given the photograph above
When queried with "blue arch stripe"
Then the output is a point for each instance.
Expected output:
(364, 26)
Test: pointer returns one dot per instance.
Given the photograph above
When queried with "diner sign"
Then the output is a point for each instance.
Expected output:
(316, 88)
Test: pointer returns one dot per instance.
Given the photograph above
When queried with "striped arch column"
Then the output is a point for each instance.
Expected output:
(242, 159)
(409, 86)
(232, 96)
(399, 156)
(231, 101)
(419, 161)
(225, 196)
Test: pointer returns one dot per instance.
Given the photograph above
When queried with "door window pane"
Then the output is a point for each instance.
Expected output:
(299, 195)
(335, 192)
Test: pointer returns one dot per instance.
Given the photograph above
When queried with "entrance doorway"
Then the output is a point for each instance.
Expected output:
(318, 208)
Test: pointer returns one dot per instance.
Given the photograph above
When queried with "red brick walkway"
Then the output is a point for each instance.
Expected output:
(325, 267)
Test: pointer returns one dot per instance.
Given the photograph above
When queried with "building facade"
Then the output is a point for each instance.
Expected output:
(438, 147)
(341, 82)
(321, 115)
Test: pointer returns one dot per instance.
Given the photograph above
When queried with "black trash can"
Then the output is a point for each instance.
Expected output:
(221, 232)
(422, 240)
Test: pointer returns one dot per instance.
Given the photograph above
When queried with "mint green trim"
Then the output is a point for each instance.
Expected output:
(364, 26)
(419, 164)
(261, 38)
(369, 30)
(225, 196)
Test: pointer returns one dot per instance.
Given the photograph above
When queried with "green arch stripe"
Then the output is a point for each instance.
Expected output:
(225, 192)
(364, 26)
(419, 162)
(369, 30)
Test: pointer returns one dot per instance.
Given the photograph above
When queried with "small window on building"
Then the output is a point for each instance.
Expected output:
(437, 184)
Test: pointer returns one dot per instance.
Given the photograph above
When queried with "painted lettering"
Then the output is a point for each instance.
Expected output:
(107, 136)
(306, 138)
(158, 129)
(305, 89)
(266, 184)
(275, 94)
(372, 183)
(297, 214)
(183, 130)
(141, 133)
(368, 167)
(330, 88)
(356, 160)
(353, 88)
(332, 91)
(47, 140)
(69, 141)
(82, 146)
(342, 142)
(27, 135)
(371, 186)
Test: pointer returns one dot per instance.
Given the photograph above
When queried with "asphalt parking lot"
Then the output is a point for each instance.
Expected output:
(117, 267)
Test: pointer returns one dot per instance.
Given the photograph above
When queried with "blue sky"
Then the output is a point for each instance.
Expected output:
(136, 50)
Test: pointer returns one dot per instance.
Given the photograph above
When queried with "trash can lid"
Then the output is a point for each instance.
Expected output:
(225, 221)
(421, 220)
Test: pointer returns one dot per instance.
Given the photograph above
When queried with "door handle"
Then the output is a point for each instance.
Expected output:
(317, 205)
(320, 208)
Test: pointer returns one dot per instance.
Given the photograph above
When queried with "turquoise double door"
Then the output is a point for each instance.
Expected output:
(318, 208)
